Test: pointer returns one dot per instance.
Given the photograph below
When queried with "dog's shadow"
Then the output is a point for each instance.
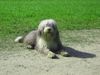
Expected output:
(79, 54)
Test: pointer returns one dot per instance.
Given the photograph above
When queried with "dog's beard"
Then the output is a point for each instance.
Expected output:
(48, 36)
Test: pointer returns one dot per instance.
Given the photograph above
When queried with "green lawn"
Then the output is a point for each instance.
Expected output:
(20, 16)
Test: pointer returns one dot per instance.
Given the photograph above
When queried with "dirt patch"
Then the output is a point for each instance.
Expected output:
(83, 45)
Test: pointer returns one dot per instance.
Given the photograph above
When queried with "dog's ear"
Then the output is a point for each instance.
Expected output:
(39, 32)
(57, 33)
(56, 30)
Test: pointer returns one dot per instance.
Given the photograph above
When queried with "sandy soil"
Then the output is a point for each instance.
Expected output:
(83, 45)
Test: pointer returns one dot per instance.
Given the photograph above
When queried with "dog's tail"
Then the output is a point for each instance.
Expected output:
(19, 39)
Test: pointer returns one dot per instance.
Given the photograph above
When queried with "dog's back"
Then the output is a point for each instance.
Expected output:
(29, 39)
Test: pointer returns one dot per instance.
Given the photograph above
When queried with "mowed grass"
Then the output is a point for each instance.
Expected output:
(20, 16)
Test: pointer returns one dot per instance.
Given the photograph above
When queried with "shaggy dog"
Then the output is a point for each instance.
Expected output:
(45, 39)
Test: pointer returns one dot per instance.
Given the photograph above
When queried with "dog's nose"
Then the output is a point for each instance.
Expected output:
(49, 29)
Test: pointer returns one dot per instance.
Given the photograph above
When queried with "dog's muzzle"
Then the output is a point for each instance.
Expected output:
(48, 30)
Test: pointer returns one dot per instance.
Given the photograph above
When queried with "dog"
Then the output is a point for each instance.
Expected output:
(45, 39)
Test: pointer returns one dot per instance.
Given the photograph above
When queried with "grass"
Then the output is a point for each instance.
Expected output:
(20, 16)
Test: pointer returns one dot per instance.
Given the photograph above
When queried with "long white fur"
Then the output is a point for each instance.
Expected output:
(45, 42)
(41, 43)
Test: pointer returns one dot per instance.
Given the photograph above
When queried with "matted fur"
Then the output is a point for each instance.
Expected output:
(45, 39)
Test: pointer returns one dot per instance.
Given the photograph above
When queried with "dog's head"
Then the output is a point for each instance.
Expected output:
(47, 28)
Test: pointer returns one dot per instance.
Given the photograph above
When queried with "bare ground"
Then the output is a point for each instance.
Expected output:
(83, 45)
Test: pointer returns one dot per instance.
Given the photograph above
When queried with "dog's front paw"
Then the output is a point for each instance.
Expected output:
(65, 54)
(29, 47)
(52, 55)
